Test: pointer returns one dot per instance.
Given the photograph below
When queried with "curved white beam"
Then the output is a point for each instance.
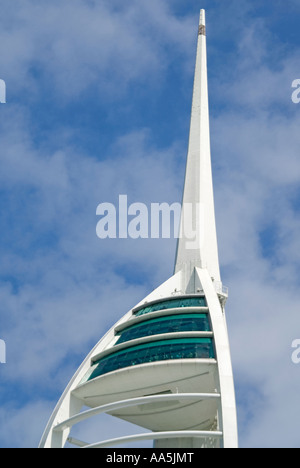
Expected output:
(132, 402)
(157, 436)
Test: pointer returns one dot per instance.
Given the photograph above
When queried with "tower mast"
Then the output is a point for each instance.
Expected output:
(166, 366)
(197, 245)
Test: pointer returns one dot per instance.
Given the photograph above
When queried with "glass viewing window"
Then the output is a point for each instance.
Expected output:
(184, 348)
(166, 324)
(173, 304)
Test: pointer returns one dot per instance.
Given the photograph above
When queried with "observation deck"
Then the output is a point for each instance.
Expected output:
(166, 348)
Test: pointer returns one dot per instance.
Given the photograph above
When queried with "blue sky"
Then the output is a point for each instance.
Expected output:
(98, 104)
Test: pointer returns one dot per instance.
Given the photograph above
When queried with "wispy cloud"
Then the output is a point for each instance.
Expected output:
(71, 46)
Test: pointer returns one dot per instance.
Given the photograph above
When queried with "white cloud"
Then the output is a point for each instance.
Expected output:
(79, 44)
(58, 297)
(19, 425)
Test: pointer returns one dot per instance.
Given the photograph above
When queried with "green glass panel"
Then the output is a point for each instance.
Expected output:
(168, 324)
(188, 348)
(173, 303)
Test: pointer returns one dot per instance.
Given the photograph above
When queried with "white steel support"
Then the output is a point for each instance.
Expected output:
(228, 406)
(158, 436)
(66, 425)
(132, 402)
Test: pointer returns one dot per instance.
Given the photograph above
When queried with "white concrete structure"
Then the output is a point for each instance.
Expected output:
(166, 365)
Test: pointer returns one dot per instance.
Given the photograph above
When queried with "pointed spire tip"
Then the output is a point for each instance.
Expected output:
(202, 18)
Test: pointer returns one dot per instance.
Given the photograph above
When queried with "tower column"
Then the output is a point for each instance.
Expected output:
(197, 245)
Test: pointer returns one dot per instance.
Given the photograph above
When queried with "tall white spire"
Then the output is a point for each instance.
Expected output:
(174, 376)
(197, 246)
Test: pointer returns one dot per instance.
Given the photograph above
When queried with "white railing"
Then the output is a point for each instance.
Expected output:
(220, 289)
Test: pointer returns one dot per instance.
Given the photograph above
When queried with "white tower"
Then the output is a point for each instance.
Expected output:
(166, 364)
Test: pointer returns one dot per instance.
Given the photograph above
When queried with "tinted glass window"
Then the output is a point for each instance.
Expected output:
(169, 324)
(173, 303)
(188, 348)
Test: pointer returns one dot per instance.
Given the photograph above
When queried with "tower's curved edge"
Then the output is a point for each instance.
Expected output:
(172, 342)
